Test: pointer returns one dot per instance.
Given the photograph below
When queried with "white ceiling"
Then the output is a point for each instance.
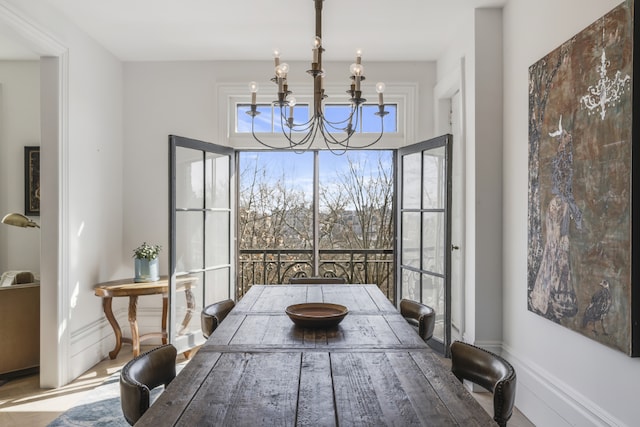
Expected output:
(386, 30)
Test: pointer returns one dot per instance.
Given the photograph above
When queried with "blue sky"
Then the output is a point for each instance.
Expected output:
(298, 168)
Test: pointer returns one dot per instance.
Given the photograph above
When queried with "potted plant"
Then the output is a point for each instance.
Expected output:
(146, 262)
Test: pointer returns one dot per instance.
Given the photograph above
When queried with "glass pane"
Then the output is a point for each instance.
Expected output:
(188, 241)
(217, 226)
(434, 182)
(216, 285)
(433, 242)
(275, 200)
(411, 239)
(338, 117)
(411, 168)
(189, 178)
(300, 118)
(262, 122)
(371, 122)
(188, 304)
(433, 296)
(410, 285)
(217, 179)
(356, 200)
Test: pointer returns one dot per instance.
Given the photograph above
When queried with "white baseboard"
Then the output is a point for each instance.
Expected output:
(92, 343)
(548, 401)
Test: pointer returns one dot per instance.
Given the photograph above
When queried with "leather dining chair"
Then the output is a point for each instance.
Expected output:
(420, 316)
(142, 374)
(317, 281)
(213, 314)
(490, 371)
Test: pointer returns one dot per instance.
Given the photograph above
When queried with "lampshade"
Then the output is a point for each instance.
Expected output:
(19, 220)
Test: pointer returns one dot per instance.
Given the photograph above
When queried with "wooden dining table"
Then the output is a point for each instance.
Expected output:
(260, 369)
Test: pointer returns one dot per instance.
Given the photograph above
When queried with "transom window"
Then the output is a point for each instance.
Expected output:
(234, 102)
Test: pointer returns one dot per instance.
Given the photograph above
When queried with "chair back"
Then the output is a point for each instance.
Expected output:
(420, 316)
(213, 314)
(142, 374)
(317, 280)
(490, 371)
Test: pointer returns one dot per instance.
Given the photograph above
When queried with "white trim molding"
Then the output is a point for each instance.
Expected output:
(548, 401)
(404, 95)
(54, 78)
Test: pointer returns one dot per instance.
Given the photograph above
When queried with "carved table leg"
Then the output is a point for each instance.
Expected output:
(191, 307)
(106, 307)
(135, 336)
(165, 304)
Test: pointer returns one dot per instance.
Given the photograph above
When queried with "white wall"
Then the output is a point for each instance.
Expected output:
(85, 162)
(563, 378)
(478, 50)
(19, 127)
(180, 98)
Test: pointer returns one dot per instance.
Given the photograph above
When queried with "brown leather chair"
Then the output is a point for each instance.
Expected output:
(142, 374)
(490, 371)
(317, 280)
(213, 314)
(420, 316)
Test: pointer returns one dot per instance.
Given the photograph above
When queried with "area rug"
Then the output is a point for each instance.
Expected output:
(100, 407)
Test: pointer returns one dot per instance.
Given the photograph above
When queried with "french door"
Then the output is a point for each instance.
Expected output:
(424, 231)
(201, 229)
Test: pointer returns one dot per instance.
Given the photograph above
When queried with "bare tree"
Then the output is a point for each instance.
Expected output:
(360, 213)
(276, 216)
(272, 213)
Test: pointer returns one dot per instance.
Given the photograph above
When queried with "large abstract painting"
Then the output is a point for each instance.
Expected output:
(580, 183)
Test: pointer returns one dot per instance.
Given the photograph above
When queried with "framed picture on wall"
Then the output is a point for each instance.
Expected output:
(32, 181)
(583, 193)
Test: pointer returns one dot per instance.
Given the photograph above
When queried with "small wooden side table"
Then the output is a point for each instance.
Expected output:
(128, 288)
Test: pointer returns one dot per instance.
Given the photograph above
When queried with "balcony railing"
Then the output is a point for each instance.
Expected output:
(276, 266)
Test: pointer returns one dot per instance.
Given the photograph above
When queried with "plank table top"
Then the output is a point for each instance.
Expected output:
(258, 368)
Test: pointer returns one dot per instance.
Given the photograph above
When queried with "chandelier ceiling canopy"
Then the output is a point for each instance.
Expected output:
(336, 134)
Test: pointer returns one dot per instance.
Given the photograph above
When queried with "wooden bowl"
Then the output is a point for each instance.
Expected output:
(317, 315)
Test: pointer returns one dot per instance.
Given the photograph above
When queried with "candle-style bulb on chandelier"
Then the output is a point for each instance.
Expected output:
(336, 134)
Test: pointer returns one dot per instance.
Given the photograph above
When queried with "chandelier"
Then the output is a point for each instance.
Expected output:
(336, 134)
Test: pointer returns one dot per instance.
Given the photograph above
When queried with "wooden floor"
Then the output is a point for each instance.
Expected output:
(24, 403)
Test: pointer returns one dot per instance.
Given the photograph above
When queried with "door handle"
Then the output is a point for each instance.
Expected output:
(455, 248)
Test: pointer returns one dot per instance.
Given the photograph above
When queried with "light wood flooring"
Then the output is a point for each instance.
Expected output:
(24, 403)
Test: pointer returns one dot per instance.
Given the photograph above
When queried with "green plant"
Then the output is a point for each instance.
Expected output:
(145, 251)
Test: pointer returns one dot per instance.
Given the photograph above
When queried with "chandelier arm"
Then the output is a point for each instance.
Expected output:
(289, 136)
(377, 139)
(306, 125)
(259, 140)
(331, 146)
(349, 117)
(330, 139)
(329, 125)
(305, 139)
(346, 142)
(293, 144)
(338, 125)
(306, 142)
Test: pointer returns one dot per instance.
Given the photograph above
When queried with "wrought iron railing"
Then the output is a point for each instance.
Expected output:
(275, 266)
